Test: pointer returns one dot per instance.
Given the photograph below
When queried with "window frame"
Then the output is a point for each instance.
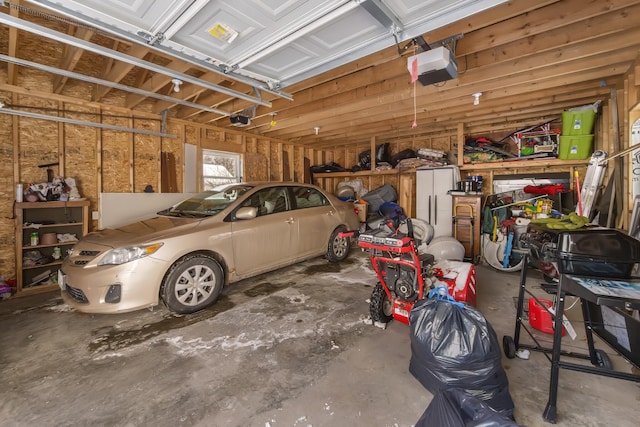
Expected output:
(209, 182)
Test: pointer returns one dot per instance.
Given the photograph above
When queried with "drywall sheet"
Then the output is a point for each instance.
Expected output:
(190, 165)
(118, 209)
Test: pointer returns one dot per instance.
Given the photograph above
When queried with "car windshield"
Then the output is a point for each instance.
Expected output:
(207, 203)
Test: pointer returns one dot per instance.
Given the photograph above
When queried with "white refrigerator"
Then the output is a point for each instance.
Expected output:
(433, 204)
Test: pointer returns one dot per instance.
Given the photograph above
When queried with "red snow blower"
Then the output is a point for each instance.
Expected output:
(404, 276)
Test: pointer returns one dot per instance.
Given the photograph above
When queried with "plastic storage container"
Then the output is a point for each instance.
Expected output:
(575, 147)
(578, 122)
(601, 252)
(539, 317)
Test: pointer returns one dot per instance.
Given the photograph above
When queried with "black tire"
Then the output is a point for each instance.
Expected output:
(193, 283)
(338, 247)
(509, 347)
(381, 308)
(602, 360)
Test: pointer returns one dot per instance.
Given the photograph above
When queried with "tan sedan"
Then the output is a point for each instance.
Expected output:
(187, 253)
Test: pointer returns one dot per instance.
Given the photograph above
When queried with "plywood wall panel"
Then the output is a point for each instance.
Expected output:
(116, 157)
(7, 191)
(351, 157)
(441, 143)
(176, 147)
(255, 167)
(191, 135)
(146, 157)
(264, 147)
(80, 154)
(339, 157)
(275, 162)
(38, 146)
(298, 164)
(251, 145)
(403, 145)
(376, 181)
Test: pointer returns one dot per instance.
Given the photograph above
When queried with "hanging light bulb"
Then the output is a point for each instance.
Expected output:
(176, 84)
(273, 119)
(476, 98)
(317, 129)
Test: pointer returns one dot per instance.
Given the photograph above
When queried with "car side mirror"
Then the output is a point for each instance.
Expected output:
(247, 212)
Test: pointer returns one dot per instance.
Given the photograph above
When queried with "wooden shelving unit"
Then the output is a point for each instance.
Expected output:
(45, 217)
(523, 163)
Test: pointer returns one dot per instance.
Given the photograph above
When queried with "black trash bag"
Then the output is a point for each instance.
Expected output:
(364, 159)
(457, 408)
(404, 154)
(327, 167)
(382, 153)
(453, 346)
(382, 156)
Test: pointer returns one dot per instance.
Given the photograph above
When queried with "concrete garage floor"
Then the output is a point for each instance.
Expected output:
(288, 348)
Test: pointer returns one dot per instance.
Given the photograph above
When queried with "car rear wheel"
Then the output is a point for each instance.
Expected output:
(338, 248)
(193, 283)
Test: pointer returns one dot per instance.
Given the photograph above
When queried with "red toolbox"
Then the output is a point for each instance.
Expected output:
(539, 317)
(460, 278)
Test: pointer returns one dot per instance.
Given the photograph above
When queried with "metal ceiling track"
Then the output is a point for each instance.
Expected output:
(4, 110)
(92, 47)
(95, 80)
(124, 35)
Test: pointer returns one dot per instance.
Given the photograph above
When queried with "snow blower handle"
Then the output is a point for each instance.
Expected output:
(409, 228)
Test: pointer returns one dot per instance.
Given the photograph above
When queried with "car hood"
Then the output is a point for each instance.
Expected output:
(148, 230)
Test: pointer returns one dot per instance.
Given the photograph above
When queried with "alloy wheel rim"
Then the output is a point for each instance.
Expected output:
(195, 285)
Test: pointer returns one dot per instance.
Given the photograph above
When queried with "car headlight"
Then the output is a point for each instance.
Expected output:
(119, 256)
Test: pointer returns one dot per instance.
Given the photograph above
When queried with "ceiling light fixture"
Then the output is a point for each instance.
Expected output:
(273, 119)
(476, 98)
(317, 129)
(176, 84)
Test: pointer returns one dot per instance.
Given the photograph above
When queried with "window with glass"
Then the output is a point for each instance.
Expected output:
(220, 167)
(309, 198)
(269, 200)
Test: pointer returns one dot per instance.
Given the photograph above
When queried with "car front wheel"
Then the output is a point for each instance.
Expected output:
(338, 248)
(193, 283)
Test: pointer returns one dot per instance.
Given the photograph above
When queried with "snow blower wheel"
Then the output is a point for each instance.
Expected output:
(381, 307)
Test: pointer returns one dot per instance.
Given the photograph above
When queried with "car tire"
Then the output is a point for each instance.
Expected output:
(338, 247)
(381, 307)
(193, 283)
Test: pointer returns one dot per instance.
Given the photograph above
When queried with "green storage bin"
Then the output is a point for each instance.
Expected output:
(575, 147)
(578, 122)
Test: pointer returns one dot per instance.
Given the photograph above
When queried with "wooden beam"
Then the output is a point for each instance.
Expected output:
(517, 83)
(70, 57)
(119, 70)
(156, 82)
(13, 46)
(472, 77)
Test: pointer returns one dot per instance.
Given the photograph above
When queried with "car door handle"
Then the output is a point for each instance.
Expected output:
(332, 212)
(290, 220)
